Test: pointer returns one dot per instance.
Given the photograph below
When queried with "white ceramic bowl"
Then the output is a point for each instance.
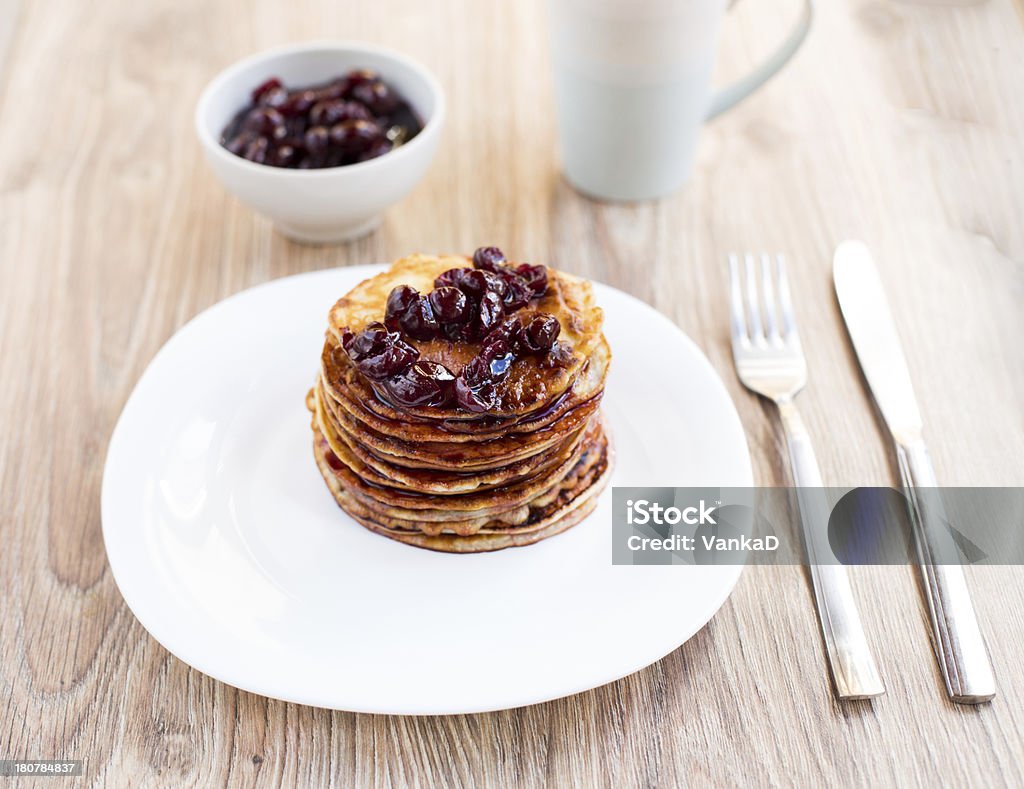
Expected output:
(336, 203)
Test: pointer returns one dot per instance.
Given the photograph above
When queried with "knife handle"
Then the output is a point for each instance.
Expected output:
(849, 656)
(959, 645)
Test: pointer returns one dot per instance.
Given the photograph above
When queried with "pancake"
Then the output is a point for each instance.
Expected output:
(446, 478)
(346, 387)
(440, 482)
(461, 456)
(530, 384)
(409, 504)
(556, 513)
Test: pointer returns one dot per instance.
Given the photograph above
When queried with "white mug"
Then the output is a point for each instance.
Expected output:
(633, 88)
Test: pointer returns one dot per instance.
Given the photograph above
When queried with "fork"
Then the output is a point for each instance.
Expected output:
(770, 361)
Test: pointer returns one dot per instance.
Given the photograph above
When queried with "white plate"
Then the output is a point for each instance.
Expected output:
(231, 552)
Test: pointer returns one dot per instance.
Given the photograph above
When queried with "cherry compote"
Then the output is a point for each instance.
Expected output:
(466, 305)
(349, 119)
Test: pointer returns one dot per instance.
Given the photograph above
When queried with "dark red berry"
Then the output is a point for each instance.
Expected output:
(541, 332)
(264, 88)
(418, 320)
(316, 141)
(358, 77)
(239, 142)
(452, 331)
(335, 89)
(489, 259)
(452, 278)
(422, 384)
(477, 398)
(476, 372)
(296, 127)
(559, 356)
(535, 276)
(495, 283)
(394, 357)
(510, 331)
(265, 121)
(376, 96)
(284, 156)
(256, 151)
(517, 292)
(331, 111)
(473, 283)
(379, 148)
(299, 102)
(492, 311)
(367, 342)
(499, 357)
(399, 300)
(355, 137)
(450, 305)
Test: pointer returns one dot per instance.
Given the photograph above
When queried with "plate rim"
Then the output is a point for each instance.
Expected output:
(201, 664)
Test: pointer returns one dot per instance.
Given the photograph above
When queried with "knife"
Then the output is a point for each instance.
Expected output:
(959, 645)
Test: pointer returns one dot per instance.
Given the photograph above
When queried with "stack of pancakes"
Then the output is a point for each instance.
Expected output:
(454, 480)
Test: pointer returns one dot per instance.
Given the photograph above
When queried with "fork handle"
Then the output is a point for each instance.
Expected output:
(959, 645)
(849, 656)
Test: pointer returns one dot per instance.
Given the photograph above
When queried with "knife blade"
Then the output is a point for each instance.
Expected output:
(959, 646)
(873, 332)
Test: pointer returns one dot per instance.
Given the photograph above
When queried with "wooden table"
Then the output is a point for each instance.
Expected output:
(900, 123)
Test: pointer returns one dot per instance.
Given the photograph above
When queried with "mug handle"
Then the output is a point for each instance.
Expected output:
(729, 96)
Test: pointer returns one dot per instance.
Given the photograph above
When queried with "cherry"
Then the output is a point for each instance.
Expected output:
(498, 357)
(510, 331)
(541, 332)
(517, 292)
(472, 282)
(424, 383)
(367, 342)
(296, 126)
(265, 88)
(239, 142)
(449, 304)
(354, 137)
(399, 300)
(559, 356)
(335, 89)
(489, 313)
(299, 102)
(488, 259)
(265, 121)
(378, 148)
(495, 283)
(477, 398)
(358, 77)
(331, 111)
(492, 311)
(394, 357)
(376, 96)
(316, 141)
(451, 278)
(535, 276)
(284, 156)
(418, 320)
(256, 151)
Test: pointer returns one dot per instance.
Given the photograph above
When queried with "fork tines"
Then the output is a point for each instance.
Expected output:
(772, 301)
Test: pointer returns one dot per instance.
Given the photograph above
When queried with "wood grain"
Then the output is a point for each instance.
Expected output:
(899, 123)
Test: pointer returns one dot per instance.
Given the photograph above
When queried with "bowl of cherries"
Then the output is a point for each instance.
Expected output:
(321, 138)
